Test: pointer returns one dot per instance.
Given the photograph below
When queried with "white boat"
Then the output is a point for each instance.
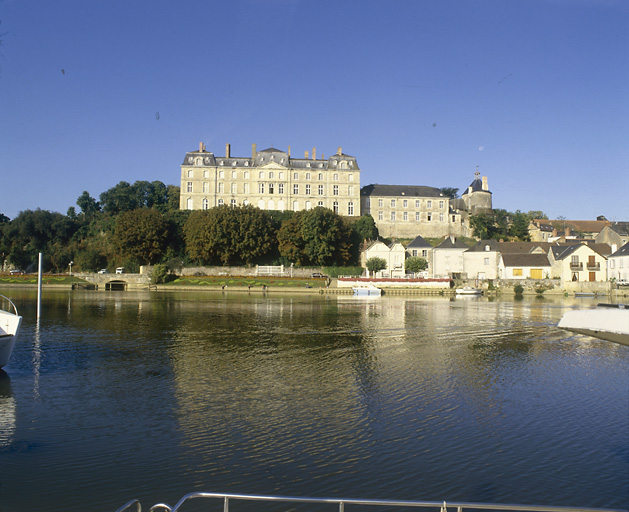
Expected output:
(468, 290)
(9, 326)
(607, 321)
(365, 291)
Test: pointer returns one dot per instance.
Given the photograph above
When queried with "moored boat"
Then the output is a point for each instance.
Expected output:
(607, 321)
(468, 290)
(367, 291)
(9, 326)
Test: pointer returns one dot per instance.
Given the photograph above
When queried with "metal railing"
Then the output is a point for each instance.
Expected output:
(441, 506)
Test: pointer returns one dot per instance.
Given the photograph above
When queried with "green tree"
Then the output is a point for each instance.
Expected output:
(376, 264)
(482, 226)
(141, 234)
(536, 214)
(415, 264)
(519, 227)
(450, 192)
(88, 205)
(366, 228)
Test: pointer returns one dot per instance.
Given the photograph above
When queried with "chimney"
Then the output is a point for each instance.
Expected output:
(314, 153)
(306, 155)
(201, 147)
(288, 151)
(322, 158)
(227, 152)
(566, 231)
(253, 151)
(485, 186)
(339, 151)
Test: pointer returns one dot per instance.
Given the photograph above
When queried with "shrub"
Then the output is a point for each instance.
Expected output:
(518, 289)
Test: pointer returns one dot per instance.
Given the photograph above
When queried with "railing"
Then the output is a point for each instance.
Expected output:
(594, 266)
(576, 266)
(441, 506)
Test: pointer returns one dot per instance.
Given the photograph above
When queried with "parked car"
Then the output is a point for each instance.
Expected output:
(120, 270)
(15, 272)
(103, 271)
(318, 275)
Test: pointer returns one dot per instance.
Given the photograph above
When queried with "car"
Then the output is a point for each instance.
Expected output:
(318, 275)
(103, 271)
(120, 270)
(16, 272)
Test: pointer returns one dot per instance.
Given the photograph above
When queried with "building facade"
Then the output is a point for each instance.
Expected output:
(270, 179)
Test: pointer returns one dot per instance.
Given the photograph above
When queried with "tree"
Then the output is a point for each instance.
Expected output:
(415, 264)
(519, 227)
(482, 226)
(366, 228)
(536, 214)
(376, 264)
(88, 205)
(141, 234)
(450, 192)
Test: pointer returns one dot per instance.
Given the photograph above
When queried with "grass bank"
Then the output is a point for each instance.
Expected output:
(46, 279)
(235, 281)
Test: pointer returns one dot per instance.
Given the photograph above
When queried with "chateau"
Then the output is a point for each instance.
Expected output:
(272, 179)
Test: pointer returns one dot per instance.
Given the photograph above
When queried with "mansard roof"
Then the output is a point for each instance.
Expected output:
(400, 190)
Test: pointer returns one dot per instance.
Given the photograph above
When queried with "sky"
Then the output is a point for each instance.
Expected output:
(535, 94)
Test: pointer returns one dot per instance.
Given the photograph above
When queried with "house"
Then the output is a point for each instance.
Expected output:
(393, 254)
(271, 180)
(481, 260)
(568, 229)
(540, 231)
(448, 258)
(422, 249)
(618, 265)
(524, 266)
(617, 234)
(577, 262)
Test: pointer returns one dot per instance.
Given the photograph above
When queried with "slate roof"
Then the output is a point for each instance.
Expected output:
(480, 246)
(418, 243)
(623, 251)
(622, 228)
(400, 190)
(585, 226)
(477, 186)
(449, 244)
(523, 247)
(525, 260)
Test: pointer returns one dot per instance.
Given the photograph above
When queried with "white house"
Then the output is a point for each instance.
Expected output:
(578, 262)
(481, 261)
(394, 255)
(524, 266)
(618, 265)
(448, 258)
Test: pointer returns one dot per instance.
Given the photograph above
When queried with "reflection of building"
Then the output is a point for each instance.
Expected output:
(271, 180)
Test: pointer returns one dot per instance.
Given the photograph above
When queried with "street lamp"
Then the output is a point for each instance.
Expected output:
(71, 263)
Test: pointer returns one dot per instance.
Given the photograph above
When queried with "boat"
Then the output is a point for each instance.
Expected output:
(607, 322)
(367, 291)
(468, 290)
(9, 326)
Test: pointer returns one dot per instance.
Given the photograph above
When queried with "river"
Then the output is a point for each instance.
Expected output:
(121, 395)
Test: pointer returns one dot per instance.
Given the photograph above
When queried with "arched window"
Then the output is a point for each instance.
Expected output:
(206, 204)
(335, 206)
(189, 203)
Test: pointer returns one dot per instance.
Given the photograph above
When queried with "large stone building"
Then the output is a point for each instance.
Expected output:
(405, 211)
(270, 179)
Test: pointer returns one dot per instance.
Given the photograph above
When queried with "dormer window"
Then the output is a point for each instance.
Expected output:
(487, 248)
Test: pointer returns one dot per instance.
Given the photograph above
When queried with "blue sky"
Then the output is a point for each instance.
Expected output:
(535, 93)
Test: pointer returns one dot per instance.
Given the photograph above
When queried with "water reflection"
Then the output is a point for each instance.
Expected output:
(409, 398)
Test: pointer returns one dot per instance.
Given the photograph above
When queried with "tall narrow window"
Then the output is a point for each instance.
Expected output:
(320, 190)
(280, 188)
(335, 190)
(221, 187)
(308, 189)
(350, 208)
(335, 206)
(206, 204)
(295, 190)
(261, 187)
(189, 186)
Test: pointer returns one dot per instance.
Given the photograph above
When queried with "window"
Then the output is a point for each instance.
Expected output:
(233, 188)
(414, 252)
(405, 203)
(234, 174)
(335, 206)
(424, 253)
(320, 190)
(350, 177)
(295, 176)
(308, 205)
(271, 188)
(220, 202)
(189, 187)
(350, 208)
(307, 175)
(320, 203)
(441, 217)
(429, 204)
(335, 177)
(206, 187)
(454, 218)
(281, 176)
(392, 203)
(233, 202)
(280, 188)
(190, 173)
(405, 216)
(320, 176)
(380, 203)
(261, 188)
(441, 205)
(270, 175)
(416, 203)
(206, 204)
(189, 203)
(417, 216)
(261, 175)
(486, 261)
(380, 215)
(517, 271)
(393, 216)
(221, 174)
(295, 189)
(335, 190)
(429, 217)
(308, 189)
(206, 174)
(221, 187)
(246, 175)
(295, 206)
(350, 190)
(245, 188)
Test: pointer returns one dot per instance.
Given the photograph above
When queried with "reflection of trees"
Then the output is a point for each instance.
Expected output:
(7, 411)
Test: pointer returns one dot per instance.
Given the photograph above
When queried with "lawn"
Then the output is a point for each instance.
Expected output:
(46, 279)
